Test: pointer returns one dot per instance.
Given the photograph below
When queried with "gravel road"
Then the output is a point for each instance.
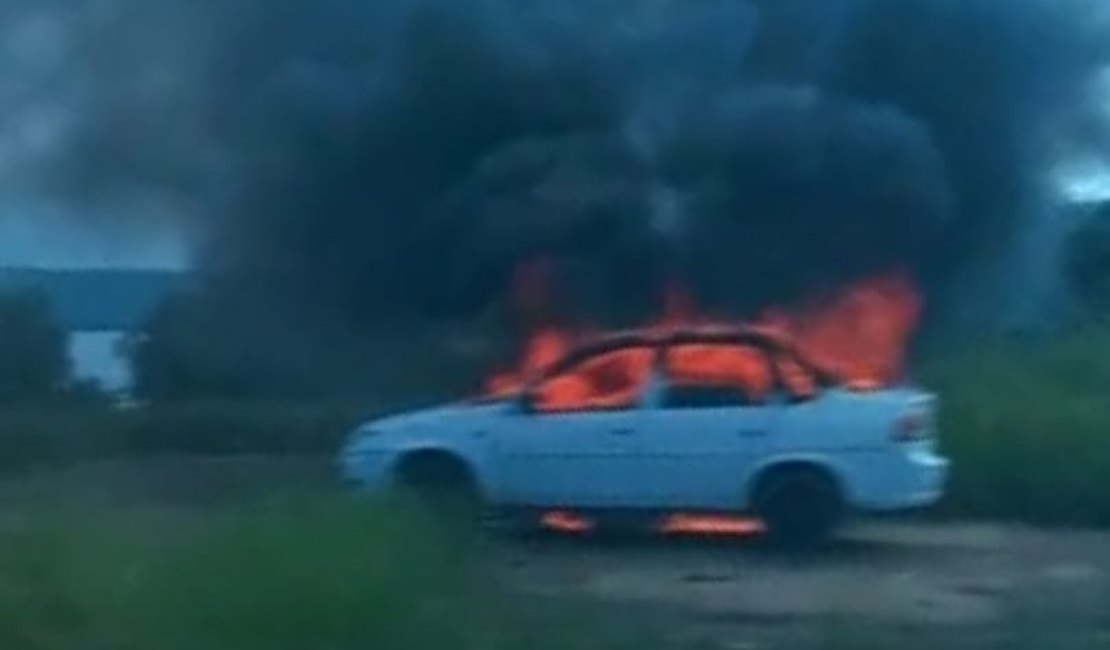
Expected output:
(915, 576)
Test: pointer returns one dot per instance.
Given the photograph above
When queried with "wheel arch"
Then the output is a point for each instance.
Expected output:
(406, 458)
(820, 465)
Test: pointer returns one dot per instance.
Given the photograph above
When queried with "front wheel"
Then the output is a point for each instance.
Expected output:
(800, 507)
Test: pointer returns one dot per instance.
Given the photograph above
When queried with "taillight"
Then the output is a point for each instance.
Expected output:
(913, 427)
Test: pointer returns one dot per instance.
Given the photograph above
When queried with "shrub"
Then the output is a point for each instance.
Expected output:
(229, 428)
(1087, 265)
(82, 431)
(1028, 429)
(219, 345)
(36, 434)
(34, 359)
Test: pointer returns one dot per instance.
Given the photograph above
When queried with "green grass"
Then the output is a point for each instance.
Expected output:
(320, 572)
(1028, 429)
(297, 573)
(316, 571)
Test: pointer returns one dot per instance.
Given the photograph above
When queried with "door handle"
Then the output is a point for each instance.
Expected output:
(621, 432)
(751, 433)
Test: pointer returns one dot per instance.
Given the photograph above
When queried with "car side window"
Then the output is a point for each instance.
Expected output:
(703, 397)
(610, 380)
(716, 375)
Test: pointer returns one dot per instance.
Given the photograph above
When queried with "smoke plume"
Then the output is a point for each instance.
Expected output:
(403, 158)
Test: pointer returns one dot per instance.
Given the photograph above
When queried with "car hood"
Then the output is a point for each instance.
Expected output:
(433, 416)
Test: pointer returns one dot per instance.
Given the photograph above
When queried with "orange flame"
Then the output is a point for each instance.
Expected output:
(858, 336)
(678, 524)
(861, 335)
(711, 526)
(560, 521)
(543, 349)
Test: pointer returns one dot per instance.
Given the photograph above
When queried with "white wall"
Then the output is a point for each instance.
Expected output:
(97, 356)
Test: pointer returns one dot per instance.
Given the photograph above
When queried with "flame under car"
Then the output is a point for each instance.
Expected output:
(678, 428)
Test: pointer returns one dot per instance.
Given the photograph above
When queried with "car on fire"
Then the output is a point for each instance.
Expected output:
(722, 422)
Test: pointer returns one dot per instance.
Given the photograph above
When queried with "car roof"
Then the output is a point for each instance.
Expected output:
(708, 335)
(763, 338)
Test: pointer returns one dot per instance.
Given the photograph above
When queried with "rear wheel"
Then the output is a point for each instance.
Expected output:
(442, 485)
(800, 507)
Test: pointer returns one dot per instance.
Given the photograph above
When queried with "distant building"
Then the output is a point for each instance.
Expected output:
(99, 309)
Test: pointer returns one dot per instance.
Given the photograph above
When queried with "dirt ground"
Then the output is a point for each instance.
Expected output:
(915, 583)
(914, 580)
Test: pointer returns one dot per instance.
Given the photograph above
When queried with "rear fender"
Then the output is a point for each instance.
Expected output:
(818, 462)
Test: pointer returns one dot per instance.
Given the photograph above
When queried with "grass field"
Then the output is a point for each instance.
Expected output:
(258, 553)
(290, 573)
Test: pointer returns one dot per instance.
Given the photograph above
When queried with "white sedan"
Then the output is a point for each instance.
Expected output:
(697, 422)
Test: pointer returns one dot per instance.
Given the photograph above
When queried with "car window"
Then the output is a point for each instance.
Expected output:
(703, 397)
(717, 374)
(606, 381)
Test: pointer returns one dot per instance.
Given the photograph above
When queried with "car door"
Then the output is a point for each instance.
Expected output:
(704, 432)
(570, 443)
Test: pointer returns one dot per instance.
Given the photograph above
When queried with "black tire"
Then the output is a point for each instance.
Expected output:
(800, 506)
(442, 485)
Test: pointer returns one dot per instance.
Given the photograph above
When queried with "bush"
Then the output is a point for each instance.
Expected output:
(36, 434)
(1087, 264)
(227, 428)
(34, 356)
(83, 431)
(218, 345)
(1028, 429)
(296, 573)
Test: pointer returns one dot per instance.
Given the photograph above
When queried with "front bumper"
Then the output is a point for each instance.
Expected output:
(364, 469)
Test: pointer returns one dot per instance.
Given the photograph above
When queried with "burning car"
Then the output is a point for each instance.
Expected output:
(674, 426)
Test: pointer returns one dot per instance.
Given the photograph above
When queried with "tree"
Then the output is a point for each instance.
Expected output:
(34, 357)
(1088, 263)
(220, 343)
(201, 344)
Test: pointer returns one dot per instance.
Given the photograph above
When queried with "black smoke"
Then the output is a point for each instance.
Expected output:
(399, 159)
(796, 194)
